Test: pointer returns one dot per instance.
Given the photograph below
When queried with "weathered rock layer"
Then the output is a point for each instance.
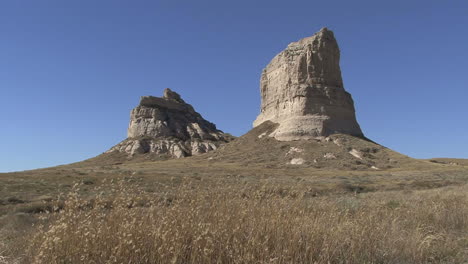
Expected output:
(302, 90)
(169, 126)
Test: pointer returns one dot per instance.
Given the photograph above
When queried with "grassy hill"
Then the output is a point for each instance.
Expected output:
(343, 200)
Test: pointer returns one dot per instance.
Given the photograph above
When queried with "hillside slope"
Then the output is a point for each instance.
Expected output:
(339, 151)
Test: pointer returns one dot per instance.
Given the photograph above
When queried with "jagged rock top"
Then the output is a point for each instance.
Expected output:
(168, 125)
(169, 116)
(171, 95)
(302, 90)
(170, 100)
(323, 69)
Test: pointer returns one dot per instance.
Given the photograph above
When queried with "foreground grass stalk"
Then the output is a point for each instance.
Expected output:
(264, 224)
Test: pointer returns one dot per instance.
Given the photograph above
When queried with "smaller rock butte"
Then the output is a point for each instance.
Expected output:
(169, 126)
(302, 90)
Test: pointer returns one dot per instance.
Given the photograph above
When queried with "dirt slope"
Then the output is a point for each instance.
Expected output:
(343, 152)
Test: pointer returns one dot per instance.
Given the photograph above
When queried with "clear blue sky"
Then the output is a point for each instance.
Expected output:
(71, 71)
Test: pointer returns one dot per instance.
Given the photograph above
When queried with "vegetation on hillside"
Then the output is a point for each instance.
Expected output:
(254, 224)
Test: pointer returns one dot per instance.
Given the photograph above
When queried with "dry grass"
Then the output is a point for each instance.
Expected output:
(262, 224)
(4, 259)
(245, 204)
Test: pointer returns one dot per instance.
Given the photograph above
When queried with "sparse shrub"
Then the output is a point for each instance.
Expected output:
(14, 200)
(39, 207)
(393, 204)
(138, 172)
(88, 181)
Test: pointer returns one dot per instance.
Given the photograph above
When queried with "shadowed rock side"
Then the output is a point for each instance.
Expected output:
(302, 90)
(168, 126)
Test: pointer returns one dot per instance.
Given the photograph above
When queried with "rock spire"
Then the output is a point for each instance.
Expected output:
(302, 90)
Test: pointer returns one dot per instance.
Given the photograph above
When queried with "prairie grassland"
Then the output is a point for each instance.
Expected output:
(3, 259)
(4, 250)
(244, 223)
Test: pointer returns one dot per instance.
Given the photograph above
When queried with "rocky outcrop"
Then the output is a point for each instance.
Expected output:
(302, 90)
(169, 126)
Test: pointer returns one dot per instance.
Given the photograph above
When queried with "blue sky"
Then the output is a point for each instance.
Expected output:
(71, 71)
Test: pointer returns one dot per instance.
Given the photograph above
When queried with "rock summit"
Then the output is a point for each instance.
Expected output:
(169, 126)
(302, 90)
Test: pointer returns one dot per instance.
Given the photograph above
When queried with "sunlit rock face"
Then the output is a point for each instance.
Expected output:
(302, 90)
(168, 125)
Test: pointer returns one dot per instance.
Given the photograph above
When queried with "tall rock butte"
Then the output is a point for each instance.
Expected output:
(302, 90)
(169, 126)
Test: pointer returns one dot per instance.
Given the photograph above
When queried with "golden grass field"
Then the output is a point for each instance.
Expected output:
(190, 211)
(235, 207)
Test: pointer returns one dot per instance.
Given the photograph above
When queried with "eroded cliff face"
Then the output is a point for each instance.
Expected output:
(169, 126)
(302, 90)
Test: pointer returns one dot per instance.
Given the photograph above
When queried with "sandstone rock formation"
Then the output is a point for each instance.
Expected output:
(302, 90)
(169, 126)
